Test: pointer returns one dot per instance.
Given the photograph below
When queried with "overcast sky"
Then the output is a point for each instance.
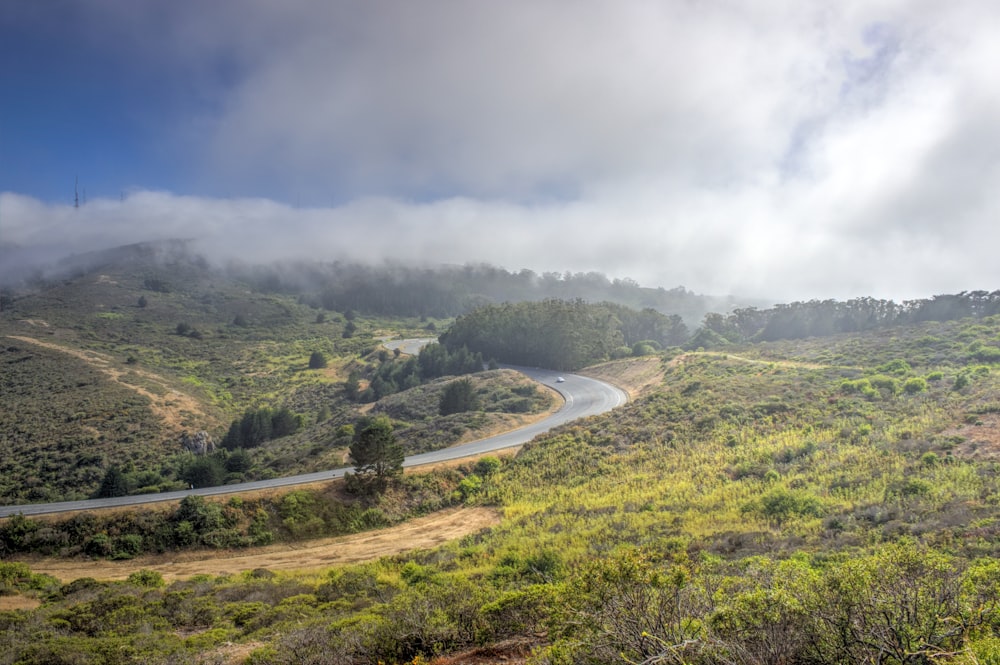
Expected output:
(785, 150)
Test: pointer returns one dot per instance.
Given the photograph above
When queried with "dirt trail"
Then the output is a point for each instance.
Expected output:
(423, 532)
(170, 407)
(684, 357)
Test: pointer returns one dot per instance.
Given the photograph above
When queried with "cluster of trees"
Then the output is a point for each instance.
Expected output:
(183, 471)
(561, 334)
(817, 318)
(394, 374)
(258, 426)
(195, 522)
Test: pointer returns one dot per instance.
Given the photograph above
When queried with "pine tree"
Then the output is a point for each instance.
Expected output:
(114, 483)
(376, 455)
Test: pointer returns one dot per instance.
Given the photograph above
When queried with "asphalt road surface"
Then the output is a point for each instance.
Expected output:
(584, 397)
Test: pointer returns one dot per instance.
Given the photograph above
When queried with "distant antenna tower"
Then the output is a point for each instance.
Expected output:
(76, 192)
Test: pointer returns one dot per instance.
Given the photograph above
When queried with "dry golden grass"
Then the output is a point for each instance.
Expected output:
(633, 375)
(420, 533)
(18, 602)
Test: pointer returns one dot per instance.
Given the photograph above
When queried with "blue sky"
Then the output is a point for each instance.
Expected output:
(778, 149)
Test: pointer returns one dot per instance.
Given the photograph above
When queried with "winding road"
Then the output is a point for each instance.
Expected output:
(584, 397)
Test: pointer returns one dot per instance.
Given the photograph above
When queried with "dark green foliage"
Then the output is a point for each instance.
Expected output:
(458, 396)
(396, 373)
(203, 471)
(436, 360)
(352, 387)
(156, 284)
(376, 455)
(113, 484)
(238, 461)
(317, 360)
(258, 426)
(554, 333)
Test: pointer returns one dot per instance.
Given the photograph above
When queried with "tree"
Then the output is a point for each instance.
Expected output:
(352, 387)
(114, 483)
(375, 453)
(457, 397)
(204, 471)
(142, 301)
(317, 360)
(239, 461)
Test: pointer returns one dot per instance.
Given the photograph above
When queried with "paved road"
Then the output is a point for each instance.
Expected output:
(410, 346)
(584, 397)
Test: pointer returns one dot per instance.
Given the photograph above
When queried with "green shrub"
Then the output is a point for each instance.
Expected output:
(780, 504)
(146, 578)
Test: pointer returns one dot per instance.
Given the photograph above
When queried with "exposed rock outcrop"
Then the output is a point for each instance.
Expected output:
(200, 443)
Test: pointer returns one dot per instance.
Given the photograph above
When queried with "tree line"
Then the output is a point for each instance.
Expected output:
(395, 374)
(448, 291)
(561, 334)
(819, 318)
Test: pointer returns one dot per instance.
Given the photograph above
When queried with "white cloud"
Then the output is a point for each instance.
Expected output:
(781, 149)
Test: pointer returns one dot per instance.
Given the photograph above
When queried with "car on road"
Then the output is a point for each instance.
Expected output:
(560, 380)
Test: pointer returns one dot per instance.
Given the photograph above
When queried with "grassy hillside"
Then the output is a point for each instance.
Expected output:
(134, 348)
(817, 501)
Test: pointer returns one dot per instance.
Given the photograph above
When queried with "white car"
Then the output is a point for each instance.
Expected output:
(560, 380)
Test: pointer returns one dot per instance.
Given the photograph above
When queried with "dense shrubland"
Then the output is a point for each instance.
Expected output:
(236, 522)
(786, 502)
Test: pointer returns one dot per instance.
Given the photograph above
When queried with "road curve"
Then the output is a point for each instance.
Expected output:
(584, 397)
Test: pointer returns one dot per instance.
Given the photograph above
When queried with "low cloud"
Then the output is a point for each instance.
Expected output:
(751, 243)
(783, 150)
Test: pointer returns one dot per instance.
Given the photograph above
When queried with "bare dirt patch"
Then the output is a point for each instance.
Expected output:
(420, 533)
(684, 357)
(172, 407)
(633, 375)
(981, 439)
(18, 602)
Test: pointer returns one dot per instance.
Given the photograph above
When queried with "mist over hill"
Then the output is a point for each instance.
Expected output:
(386, 288)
